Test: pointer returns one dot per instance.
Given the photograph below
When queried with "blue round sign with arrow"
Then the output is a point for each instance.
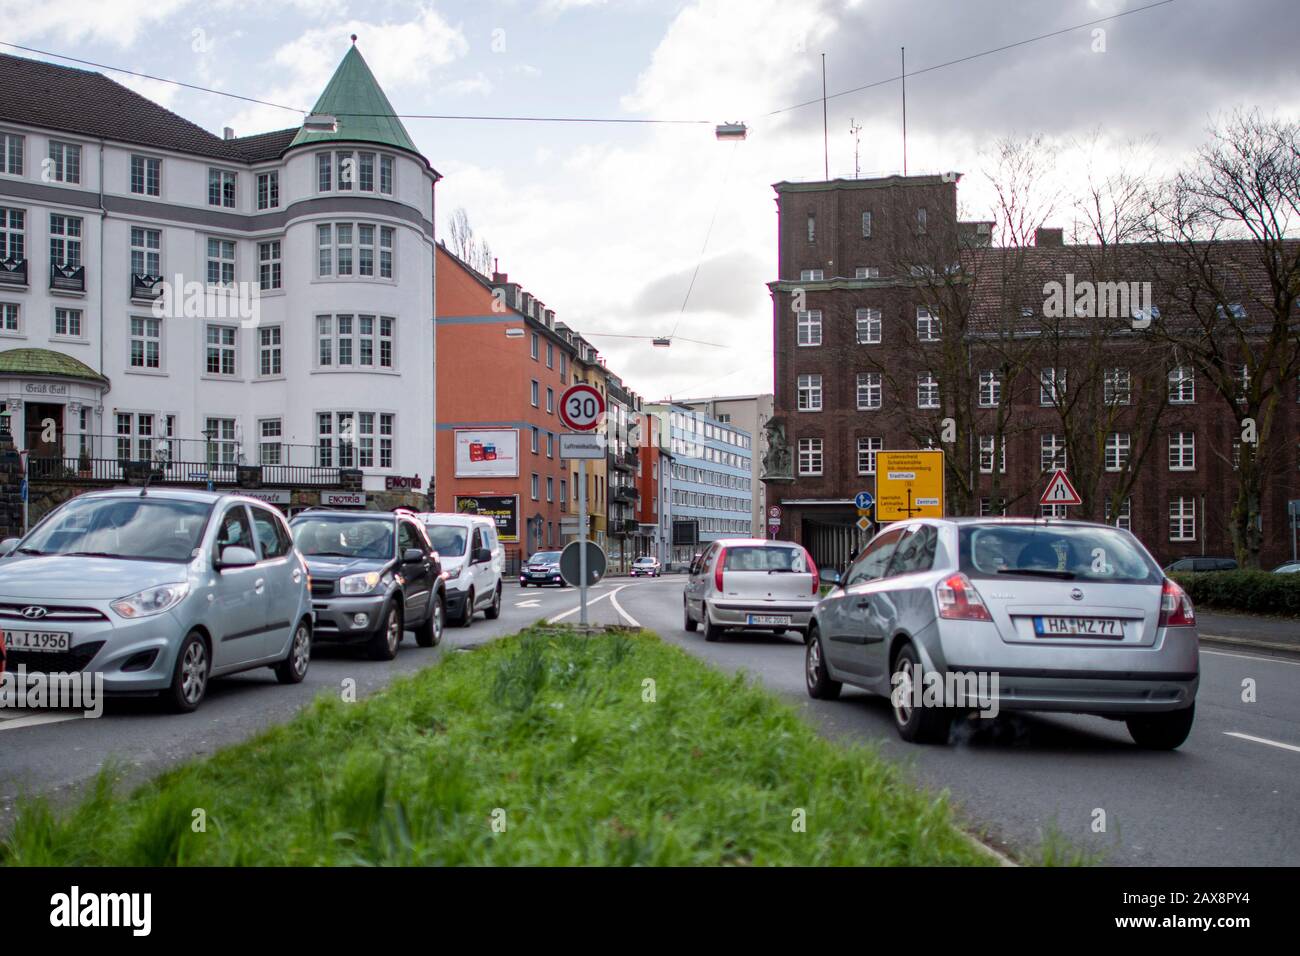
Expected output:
(864, 501)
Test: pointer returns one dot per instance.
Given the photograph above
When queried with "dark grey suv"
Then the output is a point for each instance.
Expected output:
(373, 576)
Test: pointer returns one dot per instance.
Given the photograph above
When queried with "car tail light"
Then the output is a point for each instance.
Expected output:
(959, 601)
(717, 570)
(1175, 606)
(816, 585)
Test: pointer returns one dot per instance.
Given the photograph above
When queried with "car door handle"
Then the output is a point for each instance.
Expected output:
(865, 602)
(297, 575)
(259, 585)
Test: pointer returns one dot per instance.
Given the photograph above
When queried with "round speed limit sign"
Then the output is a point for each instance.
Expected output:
(582, 407)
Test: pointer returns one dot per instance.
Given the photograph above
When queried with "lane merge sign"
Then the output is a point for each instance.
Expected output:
(1059, 491)
(582, 407)
(909, 484)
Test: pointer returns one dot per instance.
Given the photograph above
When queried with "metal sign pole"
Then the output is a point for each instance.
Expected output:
(582, 541)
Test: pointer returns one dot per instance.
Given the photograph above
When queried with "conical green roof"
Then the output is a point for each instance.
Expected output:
(354, 96)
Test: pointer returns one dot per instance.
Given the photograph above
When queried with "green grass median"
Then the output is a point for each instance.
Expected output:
(545, 748)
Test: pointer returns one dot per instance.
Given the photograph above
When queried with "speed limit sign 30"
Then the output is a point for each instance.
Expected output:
(582, 407)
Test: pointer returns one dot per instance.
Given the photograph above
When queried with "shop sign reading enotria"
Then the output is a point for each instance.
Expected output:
(343, 499)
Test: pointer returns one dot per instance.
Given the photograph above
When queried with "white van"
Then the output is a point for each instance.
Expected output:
(472, 563)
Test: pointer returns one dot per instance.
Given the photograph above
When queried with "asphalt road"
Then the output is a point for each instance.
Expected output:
(1227, 797)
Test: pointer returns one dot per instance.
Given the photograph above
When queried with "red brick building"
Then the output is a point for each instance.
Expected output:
(502, 367)
(868, 357)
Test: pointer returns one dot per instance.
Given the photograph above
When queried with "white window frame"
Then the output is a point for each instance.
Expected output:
(1182, 378)
(990, 388)
(1117, 386)
(273, 350)
(1052, 453)
(867, 326)
(147, 323)
(223, 178)
(867, 448)
(866, 225)
(148, 164)
(811, 457)
(1182, 518)
(221, 260)
(1118, 451)
(927, 391)
(1051, 386)
(270, 178)
(146, 250)
(809, 328)
(986, 455)
(8, 140)
(353, 342)
(227, 344)
(869, 386)
(13, 232)
(1182, 451)
(60, 169)
(11, 320)
(63, 238)
(1125, 518)
(809, 389)
(68, 334)
(928, 326)
(265, 442)
(270, 268)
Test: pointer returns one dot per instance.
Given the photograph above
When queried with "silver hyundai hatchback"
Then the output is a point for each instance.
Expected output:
(750, 583)
(1043, 615)
(159, 591)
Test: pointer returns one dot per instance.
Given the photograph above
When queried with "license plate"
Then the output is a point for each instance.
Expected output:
(761, 619)
(1108, 627)
(52, 642)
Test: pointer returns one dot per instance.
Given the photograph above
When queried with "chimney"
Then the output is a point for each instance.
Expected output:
(1046, 236)
(228, 132)
(500, 278)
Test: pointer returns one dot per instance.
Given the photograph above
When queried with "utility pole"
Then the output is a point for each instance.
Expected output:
(903, 76)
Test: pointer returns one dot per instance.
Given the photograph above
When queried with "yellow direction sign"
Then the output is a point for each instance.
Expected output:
(909, 484)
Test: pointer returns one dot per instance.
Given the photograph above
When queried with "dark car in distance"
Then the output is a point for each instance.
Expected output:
(542, 568)
(1201, 564)
(373, 576)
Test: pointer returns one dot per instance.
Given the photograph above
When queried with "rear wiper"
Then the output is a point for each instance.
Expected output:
(1040, 573)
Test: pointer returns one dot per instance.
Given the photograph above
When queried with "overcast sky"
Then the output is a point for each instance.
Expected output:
(606, 223)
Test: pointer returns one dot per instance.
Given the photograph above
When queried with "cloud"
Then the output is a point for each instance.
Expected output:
(119, 23)
(478, 84)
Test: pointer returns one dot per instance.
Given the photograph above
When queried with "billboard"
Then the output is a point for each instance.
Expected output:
(503, 509)
(487, 452)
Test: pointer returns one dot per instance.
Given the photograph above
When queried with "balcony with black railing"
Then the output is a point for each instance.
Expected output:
(118, 459)
(13, 271)
(67, 278)
(145, 287)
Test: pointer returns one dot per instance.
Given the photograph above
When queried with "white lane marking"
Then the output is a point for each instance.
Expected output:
(1262, 740)
(35, 720)
(613, 599)
(575, 610)
(533, 603)
(1253, 657)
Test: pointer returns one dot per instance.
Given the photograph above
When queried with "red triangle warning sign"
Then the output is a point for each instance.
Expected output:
(1060, 491)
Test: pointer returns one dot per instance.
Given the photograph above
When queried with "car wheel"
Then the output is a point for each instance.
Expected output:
(431, 633)
(690, 623)
(494, 610)
(523, 584)
(383, 643)
(915, 724)
(1162, 731)
(190, 676)
(293, 668)
(711, 631)
(816, 677)
(467, 615)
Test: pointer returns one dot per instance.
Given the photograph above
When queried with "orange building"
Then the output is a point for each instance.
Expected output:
(502, 367)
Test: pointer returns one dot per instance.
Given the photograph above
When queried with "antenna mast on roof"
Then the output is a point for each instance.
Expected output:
(903, 76)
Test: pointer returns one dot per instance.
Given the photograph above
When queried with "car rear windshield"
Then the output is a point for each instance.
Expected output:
(448, 540)
(1067, 552)
(143, 529)
(344, 537)
(764, 558)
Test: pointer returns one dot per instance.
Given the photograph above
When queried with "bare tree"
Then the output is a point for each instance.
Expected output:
(1223, 249)
(466, 246)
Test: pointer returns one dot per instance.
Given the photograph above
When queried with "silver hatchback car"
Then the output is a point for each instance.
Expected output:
(750, 583)
(1043, 615)
(158, 591)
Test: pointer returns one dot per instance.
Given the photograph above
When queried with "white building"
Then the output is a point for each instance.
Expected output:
(117, 217)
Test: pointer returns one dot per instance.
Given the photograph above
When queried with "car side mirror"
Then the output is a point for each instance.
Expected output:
(234, 556)
(412, 556)
(482, 556)
(830, 577)
(7, 546)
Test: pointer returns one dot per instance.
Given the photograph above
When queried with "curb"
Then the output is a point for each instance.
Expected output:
(1250, 643)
